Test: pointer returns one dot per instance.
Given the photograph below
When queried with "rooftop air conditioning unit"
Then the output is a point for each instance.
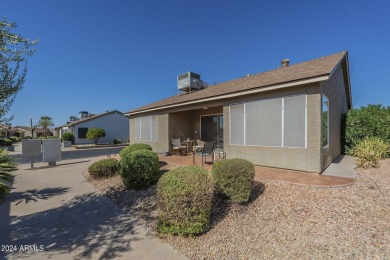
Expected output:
(83, 114)
(189, 81)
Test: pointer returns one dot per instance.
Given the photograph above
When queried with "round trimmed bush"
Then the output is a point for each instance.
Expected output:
(234, 177)
(103, 168)
(68, 137)
(139, 169)
(134, 147)
(184, 199)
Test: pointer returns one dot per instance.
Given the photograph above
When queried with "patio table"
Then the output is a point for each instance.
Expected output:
(189, 144)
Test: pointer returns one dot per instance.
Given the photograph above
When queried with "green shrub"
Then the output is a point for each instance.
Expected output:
(134, 147)
(117, 141)
(370, 121)
(139, 169)
(14, 139)
(5, 142)
(184, 198)
(369, 151)
(103, 168)
(234, 178)
(68, 137)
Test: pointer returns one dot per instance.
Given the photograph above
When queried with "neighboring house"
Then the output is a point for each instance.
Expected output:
(25, 131)
(21, 131)
(7, 131)
(288, 118)
(114, 123)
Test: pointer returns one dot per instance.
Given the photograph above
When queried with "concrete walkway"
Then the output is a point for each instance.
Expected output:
(343, 166)
(55, 213)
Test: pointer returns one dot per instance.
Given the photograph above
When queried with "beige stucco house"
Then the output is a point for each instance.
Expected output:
(289, 117)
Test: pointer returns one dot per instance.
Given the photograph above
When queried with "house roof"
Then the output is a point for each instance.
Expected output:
(90, 118)
(300, 73)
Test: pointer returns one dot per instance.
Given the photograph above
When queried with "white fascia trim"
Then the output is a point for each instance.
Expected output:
(247, 92)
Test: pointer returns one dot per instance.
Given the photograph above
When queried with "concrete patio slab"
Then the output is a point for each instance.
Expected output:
(343, 166)
(295, 177)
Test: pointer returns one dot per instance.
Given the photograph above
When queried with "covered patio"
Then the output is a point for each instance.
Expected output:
(267, 173)
(202, 123)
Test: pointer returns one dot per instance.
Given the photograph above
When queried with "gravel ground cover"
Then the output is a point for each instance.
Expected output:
(283, 221)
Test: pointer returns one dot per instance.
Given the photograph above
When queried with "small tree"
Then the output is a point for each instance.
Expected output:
(95, 133)
(45, 122)
(13, 50)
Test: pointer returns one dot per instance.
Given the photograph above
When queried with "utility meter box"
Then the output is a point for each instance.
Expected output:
(51, 150)
(31, 147)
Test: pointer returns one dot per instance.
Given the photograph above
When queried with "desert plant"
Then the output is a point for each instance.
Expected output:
(68, 137)
(139, 169)
(95, 133)
(184, 199)
(7, 164)
(369, 151)
(134, 147)
(103, 168)
(370, 121)
(234, 178)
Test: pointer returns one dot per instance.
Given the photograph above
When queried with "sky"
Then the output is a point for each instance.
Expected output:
(99, 55)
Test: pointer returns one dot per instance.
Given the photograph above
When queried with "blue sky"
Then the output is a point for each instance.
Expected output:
(99, 55)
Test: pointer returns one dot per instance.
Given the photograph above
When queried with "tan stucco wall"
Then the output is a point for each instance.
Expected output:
(282, 157)
(162, 143)
(334, 90)
(180, 125)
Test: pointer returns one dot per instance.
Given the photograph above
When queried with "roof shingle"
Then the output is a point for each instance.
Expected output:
(314, 68)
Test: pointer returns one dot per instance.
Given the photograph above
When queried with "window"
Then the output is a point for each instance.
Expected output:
(294, 128)
(82, 132)
(325, 121)
(237, 124)
(146, 128)
(264, 122)
(279, 122)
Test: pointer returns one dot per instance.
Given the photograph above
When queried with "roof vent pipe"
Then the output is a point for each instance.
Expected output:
(285, 63)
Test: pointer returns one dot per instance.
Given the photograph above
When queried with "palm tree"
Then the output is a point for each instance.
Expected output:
(7, 164)
(45, 122)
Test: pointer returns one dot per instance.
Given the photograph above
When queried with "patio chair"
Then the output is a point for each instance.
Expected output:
(198, 145)
(208, 150)
(177, 145)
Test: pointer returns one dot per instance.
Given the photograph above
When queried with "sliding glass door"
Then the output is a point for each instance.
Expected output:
(212, 129)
